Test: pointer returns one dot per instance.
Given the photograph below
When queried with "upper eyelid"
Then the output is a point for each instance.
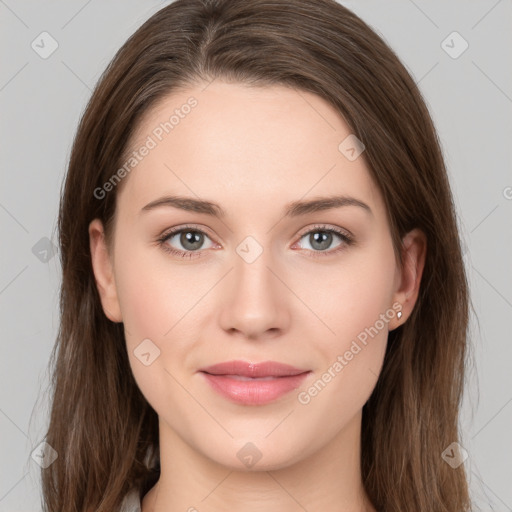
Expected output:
(326, 227)
(175, 230)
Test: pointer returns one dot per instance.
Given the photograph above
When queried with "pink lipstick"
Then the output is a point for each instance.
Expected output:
(253, 383)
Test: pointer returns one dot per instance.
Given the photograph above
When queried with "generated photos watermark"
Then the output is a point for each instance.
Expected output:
(305, 397)
(151, 142)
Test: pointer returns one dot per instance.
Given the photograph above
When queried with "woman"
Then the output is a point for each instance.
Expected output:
(264, 302)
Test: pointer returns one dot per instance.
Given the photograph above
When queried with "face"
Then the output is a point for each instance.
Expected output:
(260, 273)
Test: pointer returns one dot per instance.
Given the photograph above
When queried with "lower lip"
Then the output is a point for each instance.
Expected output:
(254, 392)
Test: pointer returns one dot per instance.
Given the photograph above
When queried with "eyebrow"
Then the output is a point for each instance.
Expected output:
(293, 209)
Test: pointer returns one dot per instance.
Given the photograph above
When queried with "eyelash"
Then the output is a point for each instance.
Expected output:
(345, 237)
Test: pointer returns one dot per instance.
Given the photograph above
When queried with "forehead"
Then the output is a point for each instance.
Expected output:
(242, 144)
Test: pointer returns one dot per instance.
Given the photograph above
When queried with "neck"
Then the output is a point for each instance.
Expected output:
(329, 480)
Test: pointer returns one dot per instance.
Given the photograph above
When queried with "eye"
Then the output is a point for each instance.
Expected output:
(321, 238)
(191, 240)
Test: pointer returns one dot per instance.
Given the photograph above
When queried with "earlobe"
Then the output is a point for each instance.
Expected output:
(414, 250)
(103, 271)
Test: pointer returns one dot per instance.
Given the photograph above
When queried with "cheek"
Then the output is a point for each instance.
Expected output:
(352, 356)
(160, 303)
(351, 295)
(152, 296)
(356, 306)
(152, 308)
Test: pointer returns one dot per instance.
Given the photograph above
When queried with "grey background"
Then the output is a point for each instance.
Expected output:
(470, 98)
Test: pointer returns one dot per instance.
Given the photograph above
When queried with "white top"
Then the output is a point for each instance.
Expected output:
(131, 502)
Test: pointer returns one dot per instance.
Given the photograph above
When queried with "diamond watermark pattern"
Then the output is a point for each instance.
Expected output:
(249, 455)
(454, 45)
(44, 250)
(351, 147)
(44, 455)
(249, 249)
(44, 45)
(454, 455)
(146, 352)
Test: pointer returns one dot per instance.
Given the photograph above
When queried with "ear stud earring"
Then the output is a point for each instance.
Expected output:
(399, 315)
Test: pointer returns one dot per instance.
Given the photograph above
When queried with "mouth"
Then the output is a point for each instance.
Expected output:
(253, 383)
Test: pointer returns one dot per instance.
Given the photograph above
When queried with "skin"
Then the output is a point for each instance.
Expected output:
(253, 151)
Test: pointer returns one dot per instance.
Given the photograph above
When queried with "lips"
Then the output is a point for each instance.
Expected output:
(253, 383)
(253, 370)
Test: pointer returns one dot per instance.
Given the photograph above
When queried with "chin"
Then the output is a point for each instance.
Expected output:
(258, 454)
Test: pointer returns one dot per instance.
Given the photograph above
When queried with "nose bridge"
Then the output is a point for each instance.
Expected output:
(253, 280)
(255, 303)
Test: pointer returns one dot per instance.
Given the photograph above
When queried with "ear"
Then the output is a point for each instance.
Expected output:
(103, 271)
(414, 250)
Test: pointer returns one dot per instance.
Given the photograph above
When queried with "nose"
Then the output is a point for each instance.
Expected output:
(255, 302)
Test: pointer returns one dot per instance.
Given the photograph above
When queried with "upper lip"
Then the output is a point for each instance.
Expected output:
(247, 369)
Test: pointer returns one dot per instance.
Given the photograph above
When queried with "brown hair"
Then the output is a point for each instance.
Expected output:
(102, 427)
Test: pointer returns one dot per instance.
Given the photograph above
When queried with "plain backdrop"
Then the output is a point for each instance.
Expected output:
(466, 79)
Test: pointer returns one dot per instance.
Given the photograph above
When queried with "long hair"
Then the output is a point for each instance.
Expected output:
(102, 427)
